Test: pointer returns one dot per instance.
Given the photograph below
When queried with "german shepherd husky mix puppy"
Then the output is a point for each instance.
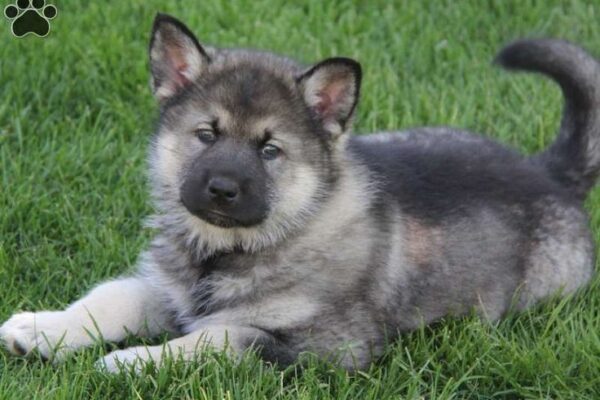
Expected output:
(279, 231)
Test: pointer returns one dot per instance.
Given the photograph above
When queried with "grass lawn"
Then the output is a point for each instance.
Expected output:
(75, 118)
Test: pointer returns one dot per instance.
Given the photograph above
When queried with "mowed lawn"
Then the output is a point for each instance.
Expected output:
(76, 115)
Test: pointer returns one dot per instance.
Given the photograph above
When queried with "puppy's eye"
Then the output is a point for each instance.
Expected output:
(269, 152)
(206, 136)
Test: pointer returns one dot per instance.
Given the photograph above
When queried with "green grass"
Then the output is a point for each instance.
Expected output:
(75, 117)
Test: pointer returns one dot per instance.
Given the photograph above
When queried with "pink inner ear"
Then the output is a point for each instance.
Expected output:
(330, 97)
(324, 105)
(179, 67)
(181, 77)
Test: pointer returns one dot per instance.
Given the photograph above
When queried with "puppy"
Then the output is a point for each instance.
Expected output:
(277, 230)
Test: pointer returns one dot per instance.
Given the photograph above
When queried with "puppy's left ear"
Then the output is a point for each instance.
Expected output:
(176, 57)
(331, 89)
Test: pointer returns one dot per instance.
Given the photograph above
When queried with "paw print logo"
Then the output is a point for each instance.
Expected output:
(30, 16)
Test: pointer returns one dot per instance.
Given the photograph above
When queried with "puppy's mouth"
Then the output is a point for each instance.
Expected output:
(218, 219)
(223, 220)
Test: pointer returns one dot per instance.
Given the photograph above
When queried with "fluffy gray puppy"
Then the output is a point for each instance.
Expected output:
(277, 230)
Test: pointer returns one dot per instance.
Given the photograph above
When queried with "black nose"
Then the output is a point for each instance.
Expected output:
(223, 189)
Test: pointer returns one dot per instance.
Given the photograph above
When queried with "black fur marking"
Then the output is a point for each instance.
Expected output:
(219, 262)
(235, 162)
(450, 176)
(272, 348)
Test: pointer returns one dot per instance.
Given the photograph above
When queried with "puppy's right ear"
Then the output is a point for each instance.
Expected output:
(176, 57)
(331, 89)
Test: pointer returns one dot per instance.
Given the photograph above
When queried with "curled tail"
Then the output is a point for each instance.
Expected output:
(574, 157)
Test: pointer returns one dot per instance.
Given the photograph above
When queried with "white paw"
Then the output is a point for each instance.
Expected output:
(51, 333)
(135, 357)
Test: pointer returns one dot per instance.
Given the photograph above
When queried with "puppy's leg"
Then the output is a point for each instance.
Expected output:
(232, 338)
(111, 310)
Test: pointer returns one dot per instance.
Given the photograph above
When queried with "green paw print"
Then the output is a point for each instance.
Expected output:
(30, 16)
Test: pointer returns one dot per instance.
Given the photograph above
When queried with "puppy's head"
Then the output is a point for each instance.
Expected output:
(245, 146)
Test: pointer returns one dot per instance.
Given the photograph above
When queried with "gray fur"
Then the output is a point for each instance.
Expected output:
(367, 262)
(574, 158)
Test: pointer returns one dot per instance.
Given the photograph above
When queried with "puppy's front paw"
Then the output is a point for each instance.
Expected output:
(52, 333)
(135, 357)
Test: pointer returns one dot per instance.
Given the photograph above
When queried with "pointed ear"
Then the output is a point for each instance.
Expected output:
(331, 89)
(176, 57)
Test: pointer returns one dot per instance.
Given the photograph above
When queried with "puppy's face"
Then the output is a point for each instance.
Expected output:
(244, 141)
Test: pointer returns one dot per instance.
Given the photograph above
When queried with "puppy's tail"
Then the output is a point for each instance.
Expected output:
(574, 158)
